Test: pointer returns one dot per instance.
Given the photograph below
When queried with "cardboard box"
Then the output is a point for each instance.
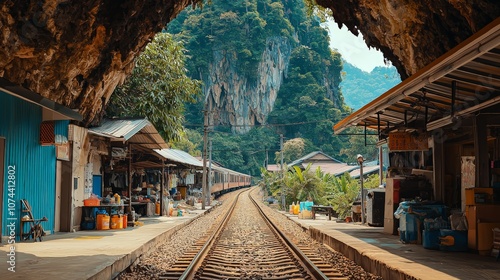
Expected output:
(485, 236)
(472, 239)
(475, 196)
(486, 216)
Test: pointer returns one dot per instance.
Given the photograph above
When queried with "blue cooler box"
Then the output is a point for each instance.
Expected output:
(460, 240)
(430, 239)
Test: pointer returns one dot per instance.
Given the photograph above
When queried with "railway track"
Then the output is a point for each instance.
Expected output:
(245, 245)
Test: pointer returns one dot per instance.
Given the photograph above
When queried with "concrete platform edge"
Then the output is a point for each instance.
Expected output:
(369, 264)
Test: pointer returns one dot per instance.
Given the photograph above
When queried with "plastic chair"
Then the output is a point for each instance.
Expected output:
(36, 229)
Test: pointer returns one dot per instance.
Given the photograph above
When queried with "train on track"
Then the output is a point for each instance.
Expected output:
(226, 180)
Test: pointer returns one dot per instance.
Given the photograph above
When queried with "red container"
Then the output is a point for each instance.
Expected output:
(125, 220)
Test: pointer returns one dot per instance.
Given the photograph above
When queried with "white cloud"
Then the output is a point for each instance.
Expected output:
(353, 49)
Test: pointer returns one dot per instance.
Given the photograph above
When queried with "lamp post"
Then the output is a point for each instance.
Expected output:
(360, 161)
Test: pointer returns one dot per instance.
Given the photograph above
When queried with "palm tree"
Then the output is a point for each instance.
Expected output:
(304, 184)
(343, 193)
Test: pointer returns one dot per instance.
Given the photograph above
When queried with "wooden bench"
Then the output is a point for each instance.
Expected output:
(327, 210)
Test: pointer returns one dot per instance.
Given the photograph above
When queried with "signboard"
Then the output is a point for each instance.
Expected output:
(405, 141)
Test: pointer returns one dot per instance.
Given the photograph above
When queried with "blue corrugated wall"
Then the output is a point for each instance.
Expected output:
(61, 128)
(35, 165)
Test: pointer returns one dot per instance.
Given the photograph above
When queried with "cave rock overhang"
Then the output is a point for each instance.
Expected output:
(462, 81)
(50, 109)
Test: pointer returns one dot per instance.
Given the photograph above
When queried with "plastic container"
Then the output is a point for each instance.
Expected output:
(458, 238)
(408, 228)
(430, 239)
(157, 208)
(124, 221)
(116, 222)
(91, 202)
(308, 205)
(117, 198)
(102, 222)
(302, 206)
(296, 209)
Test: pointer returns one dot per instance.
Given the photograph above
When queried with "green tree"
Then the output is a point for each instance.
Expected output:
(292, 149)
(189, 141)
(356, 145)
(271, 182)
(158, 88)
(342, 193)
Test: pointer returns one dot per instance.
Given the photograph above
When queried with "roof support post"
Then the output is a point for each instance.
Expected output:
(453, 96)
(366, 143)
(162, 185)
(129, 180)
(378, 126)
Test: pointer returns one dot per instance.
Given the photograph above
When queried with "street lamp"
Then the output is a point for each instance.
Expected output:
(360, 161)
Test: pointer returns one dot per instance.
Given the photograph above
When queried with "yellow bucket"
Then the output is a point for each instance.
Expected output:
(116, 222)
(102, 222)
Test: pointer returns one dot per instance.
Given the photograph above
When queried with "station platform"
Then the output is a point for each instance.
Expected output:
(385, 255)
(88, 254)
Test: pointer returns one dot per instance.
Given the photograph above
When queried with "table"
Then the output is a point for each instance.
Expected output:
(322, 209)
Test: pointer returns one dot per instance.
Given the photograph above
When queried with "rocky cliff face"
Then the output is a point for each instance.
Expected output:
(76, 52)
(238, 101)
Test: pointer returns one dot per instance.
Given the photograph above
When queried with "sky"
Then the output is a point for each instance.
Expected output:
(354, 49)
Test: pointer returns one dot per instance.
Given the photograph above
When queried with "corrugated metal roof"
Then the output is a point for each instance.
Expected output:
(135, 131)
(60, 112)
(187, 159)
(180, 157)
(335, 169)
(463, 80)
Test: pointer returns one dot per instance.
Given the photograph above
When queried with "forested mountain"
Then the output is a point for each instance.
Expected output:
(267, 71)
(360, 87)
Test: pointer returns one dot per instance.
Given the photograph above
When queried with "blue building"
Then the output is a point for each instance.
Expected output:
(33, 135)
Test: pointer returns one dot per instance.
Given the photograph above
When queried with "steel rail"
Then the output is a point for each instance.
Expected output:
(309, 265)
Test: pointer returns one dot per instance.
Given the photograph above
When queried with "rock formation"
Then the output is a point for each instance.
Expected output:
(76, 52)
(240, 102)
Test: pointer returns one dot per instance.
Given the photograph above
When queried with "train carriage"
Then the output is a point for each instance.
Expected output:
(225, 180)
